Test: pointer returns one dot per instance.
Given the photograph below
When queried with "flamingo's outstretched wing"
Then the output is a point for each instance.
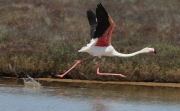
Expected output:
(101, 26)
(103, 22)
(92, 21)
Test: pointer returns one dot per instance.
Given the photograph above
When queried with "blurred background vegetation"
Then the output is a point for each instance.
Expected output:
(42, 37)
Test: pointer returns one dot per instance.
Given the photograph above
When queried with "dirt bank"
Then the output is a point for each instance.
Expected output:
(14, 80)
(112, 82)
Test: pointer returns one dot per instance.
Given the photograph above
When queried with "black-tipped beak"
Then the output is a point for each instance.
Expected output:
(155, 52)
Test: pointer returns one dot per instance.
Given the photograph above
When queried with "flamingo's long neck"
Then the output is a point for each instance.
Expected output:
(115, 53)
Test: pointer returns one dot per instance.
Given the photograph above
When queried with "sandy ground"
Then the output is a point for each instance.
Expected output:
(113, 82)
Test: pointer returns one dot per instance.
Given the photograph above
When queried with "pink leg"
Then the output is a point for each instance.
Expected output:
(79, 61)
(111, 74)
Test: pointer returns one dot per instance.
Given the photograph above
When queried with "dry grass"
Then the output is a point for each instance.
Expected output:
(41, 38)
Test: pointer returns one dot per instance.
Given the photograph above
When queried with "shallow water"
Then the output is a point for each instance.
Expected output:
(61, 96)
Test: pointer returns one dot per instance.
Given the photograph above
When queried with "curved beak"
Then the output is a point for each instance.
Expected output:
(155, 51)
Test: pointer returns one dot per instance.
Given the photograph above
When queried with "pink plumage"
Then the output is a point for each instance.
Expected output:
(102, 27)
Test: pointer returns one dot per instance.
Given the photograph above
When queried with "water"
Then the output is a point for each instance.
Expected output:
(59, 96)
(30, 82)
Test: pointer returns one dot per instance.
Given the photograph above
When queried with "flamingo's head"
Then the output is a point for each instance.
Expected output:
(147, 50)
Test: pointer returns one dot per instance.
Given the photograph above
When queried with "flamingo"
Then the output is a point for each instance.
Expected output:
(101, 30)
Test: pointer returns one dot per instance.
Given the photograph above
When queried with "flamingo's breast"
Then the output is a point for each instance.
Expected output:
(101, 51)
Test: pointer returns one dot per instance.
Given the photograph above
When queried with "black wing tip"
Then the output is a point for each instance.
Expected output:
(90, 13)
(99, 5)
(89, 10)
(103, 22)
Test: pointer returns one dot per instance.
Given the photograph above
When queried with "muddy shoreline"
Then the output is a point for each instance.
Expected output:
(153, 84)
(112, 82)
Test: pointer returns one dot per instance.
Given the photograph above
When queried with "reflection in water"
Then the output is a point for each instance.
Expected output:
(99, 105)
(53, 96)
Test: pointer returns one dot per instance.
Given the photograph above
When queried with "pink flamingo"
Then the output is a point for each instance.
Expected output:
(102, 26)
